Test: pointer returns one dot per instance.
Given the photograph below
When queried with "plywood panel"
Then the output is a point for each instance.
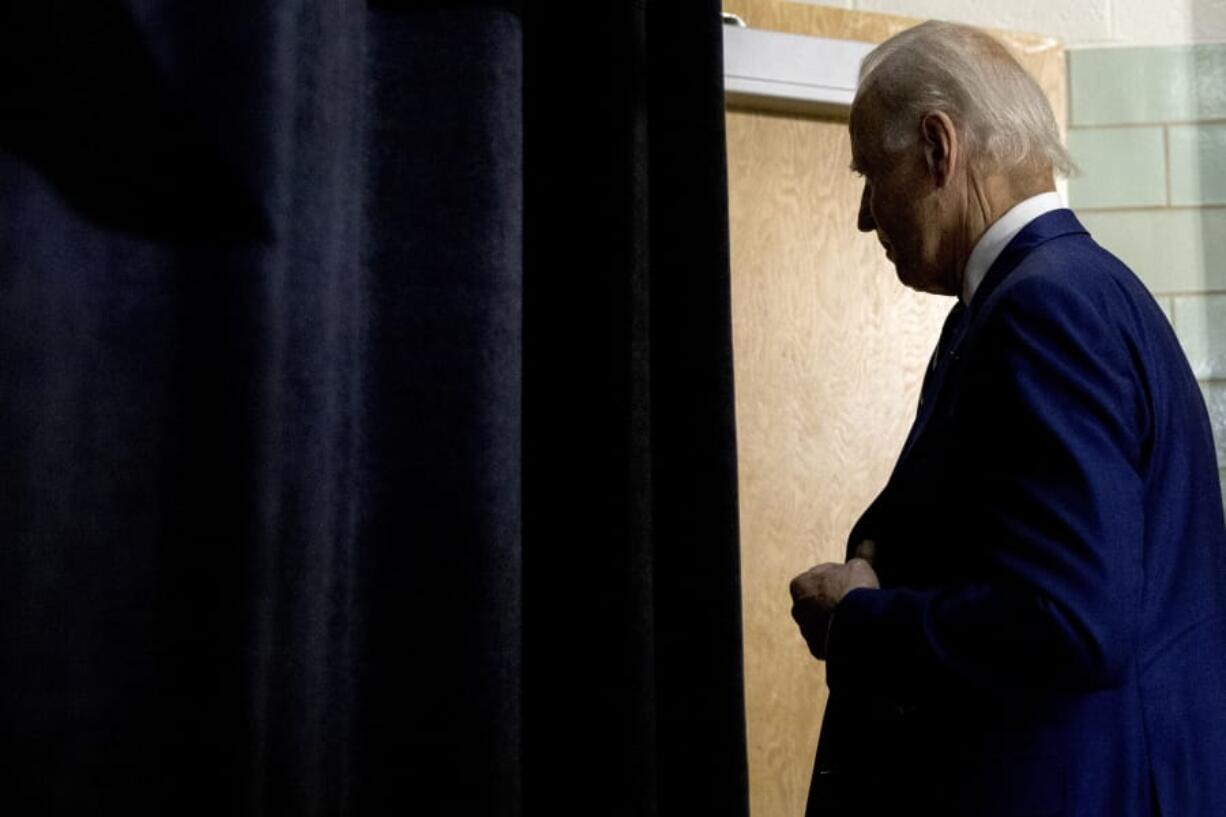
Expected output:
(829, 355)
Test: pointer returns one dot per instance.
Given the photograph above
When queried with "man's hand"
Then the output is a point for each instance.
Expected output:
(816, 592)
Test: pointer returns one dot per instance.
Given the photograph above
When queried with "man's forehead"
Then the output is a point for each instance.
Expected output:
(860, 127)
(867, 122)
(866, 111)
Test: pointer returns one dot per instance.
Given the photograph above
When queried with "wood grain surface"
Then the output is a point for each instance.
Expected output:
(829, 354)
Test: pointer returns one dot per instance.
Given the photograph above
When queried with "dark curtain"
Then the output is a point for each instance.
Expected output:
(366, 432)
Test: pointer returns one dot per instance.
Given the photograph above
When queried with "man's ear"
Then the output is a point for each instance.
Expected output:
(940, 142)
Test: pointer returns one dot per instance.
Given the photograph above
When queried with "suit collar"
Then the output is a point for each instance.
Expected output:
(1050, 225)
(998, 235)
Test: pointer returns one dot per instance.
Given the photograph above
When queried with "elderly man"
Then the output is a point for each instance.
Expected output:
(1032, 618)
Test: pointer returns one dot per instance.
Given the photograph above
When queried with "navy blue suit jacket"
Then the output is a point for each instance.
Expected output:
(1050, 636)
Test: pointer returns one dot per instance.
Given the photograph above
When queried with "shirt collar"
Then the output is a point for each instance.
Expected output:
(993, 242)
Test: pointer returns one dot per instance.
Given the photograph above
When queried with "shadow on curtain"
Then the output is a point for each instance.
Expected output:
(366, 410)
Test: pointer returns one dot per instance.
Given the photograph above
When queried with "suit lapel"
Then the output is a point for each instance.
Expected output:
(951, 335)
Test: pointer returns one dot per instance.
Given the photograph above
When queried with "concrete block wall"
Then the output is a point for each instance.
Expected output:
(1148, 127)
(1075, 22)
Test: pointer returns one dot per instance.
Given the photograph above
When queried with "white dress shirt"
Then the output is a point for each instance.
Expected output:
(993, 242)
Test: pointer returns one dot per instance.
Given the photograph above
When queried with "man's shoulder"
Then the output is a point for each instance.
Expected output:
(1075, 270)
(1070, 293)
(1072, 257)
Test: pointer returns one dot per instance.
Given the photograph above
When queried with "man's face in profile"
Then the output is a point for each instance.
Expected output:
(897, 201)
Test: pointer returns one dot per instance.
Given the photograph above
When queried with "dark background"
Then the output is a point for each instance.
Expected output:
(366, 410)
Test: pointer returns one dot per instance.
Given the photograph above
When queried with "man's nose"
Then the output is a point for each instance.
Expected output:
(864, 222)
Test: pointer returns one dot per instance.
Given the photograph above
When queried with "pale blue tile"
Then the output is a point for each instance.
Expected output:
(1200, 323)
(1111, 86)
(1171, 250)
(1215, 401)
(1198, 164)
(1120, 167)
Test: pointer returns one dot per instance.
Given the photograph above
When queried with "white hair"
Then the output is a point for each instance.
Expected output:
(971, 77)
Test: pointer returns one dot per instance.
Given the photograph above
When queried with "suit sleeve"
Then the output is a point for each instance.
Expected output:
(1053, 423)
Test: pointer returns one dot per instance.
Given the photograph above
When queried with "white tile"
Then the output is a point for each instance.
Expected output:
(1200, 323)
(1198, 163)
(1146, 22)
(1101, 153)
(1175, 250)
(1147, 84)
(1083, 21)
(1215, 401)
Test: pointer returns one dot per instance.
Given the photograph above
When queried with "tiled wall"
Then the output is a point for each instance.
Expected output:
(1075, 22)
(1147, 125)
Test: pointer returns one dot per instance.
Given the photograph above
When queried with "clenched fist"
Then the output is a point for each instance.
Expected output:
(816, 592)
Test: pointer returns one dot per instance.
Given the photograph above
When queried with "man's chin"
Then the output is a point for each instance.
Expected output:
(906, 276)
(909, 278)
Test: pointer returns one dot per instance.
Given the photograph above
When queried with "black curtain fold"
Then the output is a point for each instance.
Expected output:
(630, 478)
(366, 401)
(438, 718)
